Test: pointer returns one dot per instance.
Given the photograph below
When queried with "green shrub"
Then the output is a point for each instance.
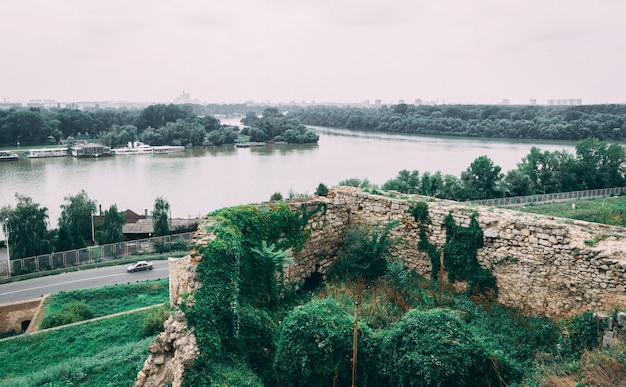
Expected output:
(420, 212)
(315, 346)
(160, 246)
(180, 245)
(322, 190)
(71, 313)
(431, 348)
(153, 322)
(579, 333)
(366, 250)
(257, 342)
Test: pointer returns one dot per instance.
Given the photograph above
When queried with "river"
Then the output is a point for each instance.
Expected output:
(202, 180)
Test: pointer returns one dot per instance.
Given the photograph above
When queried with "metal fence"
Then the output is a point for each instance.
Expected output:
(551, 198)
(95, 254)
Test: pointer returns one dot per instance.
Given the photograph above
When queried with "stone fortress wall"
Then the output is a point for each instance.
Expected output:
(543, 265)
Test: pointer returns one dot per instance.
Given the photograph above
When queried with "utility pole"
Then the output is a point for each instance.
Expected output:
(441, 269)
(8, 250)
(354, 344)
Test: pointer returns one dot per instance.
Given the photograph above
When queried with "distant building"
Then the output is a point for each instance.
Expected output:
(532, 101)
(565, 102)
(186, 98)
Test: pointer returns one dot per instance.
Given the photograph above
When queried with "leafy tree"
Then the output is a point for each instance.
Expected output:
(277, 127)
(276, 197)
(600, 165)
(431, 185)
(76, 217)
(63, 240)
(225, 135)
(119, 136)
(157, 116)
(111, 229)
(549, 171)
(72, 122)
(251, 119)
(29, 126)
(451, 188)
(481, 179)
(160, 216)
(27, 228)
(406, 182)
(322, 190)
(209, 123)
(355, 182)
(315, 346)
(182, 132)
(516, 183)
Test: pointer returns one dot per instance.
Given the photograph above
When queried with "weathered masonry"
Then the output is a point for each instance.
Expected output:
(544, 265)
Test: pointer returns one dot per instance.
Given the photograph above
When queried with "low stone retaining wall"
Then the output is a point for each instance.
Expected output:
(15, 316)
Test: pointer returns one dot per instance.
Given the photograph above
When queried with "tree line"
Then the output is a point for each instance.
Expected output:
(495, 121)
(26, 225)
(595, 165)
(158, 124)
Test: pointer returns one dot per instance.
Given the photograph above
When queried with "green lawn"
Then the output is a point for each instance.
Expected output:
(113, 299)
(608, 210)
(107, 352)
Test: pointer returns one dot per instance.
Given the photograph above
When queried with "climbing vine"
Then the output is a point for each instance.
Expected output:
(460, 251)
(238, 286)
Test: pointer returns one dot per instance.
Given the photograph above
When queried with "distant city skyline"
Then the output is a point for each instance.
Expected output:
(186, 98)
(339, 51)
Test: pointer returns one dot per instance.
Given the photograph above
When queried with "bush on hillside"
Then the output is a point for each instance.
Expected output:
(71, 313)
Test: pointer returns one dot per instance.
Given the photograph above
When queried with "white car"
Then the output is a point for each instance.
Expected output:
(139, 266)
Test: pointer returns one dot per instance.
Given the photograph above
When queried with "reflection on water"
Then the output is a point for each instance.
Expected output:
(283, 149)
(205, 179)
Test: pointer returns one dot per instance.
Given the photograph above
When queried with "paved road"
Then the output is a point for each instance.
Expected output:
(83, 279)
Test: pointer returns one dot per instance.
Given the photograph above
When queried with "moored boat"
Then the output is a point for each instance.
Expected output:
(90, 150)
(8, 156)
(161, 149)
(47, 152)
(249, 144)
(134, 148)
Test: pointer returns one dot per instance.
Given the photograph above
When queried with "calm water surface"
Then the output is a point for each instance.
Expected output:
(202, 180)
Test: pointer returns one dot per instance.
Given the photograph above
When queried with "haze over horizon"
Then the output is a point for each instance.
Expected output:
(348, 51)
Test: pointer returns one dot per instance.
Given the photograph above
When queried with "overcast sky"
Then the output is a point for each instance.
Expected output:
(461, 51)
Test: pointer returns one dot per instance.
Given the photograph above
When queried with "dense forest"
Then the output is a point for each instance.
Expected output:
(495, 121)
(155, 125)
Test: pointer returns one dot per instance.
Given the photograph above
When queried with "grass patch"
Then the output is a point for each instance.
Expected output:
(112, 299)
(610, 211)
(106, 352)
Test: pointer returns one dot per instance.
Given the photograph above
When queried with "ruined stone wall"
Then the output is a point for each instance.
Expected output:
(543, 265)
